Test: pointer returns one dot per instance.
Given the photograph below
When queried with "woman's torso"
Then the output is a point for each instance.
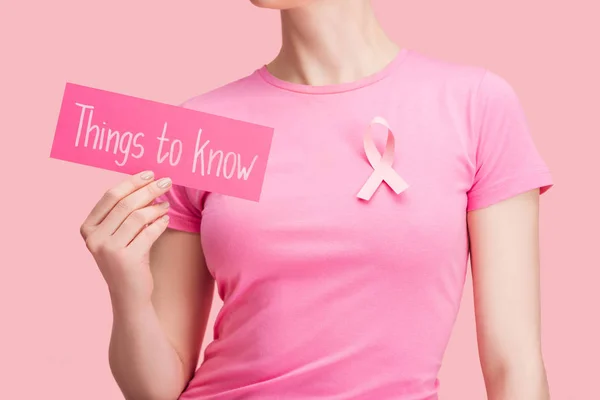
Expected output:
(326, 295)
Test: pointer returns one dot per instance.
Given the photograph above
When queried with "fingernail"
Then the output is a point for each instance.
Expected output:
(147, 175)
(164, 204)
(165, 218)
(164, 183)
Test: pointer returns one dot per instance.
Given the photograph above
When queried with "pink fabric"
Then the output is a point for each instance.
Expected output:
(327, 296)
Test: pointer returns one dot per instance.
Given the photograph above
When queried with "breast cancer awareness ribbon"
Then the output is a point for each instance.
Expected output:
(382, 164)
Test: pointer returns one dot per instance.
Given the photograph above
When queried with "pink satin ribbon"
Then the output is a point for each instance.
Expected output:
(382, 164)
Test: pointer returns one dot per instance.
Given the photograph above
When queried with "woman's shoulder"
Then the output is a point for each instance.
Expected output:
(226, 97)
(458, 76)
(436, 67)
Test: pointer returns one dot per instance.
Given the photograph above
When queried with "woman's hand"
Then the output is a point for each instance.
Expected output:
(119, 232)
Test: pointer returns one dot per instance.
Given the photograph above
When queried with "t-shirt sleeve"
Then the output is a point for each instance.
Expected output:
(507, 161)
(185, 208)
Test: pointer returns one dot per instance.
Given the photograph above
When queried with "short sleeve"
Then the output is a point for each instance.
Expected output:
(507, 161)
(185, 208)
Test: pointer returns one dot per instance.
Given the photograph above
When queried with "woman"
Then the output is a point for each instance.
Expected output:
(328, 295)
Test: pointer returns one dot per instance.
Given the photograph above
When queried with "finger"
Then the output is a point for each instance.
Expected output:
(113, 196)
(146, 238)
(136, 221)
(136, 200)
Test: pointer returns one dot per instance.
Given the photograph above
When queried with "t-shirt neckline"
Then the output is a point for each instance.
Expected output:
(335, 88)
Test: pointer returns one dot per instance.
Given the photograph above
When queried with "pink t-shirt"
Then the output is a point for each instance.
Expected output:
(327, 296)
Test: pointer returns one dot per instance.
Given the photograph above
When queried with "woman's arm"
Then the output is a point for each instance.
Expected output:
(160, 288)
(154, 349)
(505, 266)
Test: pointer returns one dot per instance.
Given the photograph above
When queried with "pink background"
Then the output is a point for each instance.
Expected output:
(54, 309)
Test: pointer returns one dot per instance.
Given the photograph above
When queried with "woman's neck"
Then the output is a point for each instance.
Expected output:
(331, 42)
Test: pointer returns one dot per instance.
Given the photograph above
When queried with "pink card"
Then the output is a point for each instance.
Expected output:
(195, 149)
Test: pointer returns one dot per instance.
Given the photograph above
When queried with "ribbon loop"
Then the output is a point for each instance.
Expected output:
(382, 164)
